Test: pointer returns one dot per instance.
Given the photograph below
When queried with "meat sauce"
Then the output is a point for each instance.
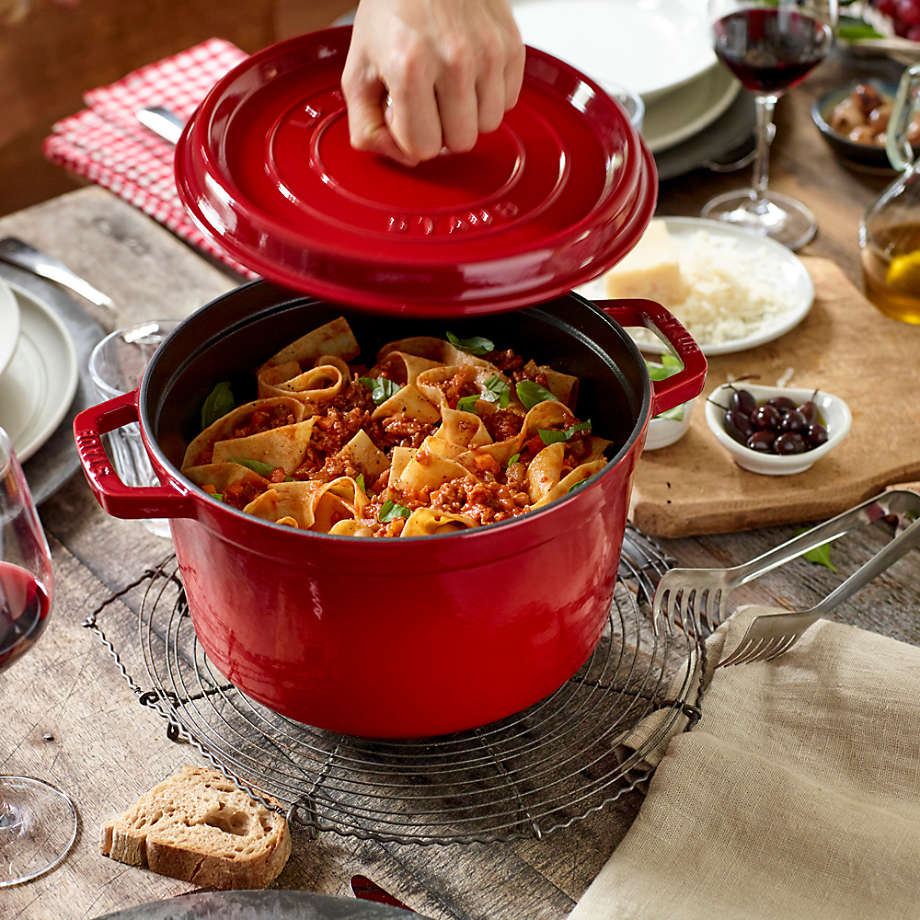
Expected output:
(495, 493)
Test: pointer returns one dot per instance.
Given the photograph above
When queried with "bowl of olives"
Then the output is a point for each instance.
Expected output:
(776, 431)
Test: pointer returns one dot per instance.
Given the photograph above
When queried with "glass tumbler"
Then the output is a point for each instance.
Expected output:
(117, 365)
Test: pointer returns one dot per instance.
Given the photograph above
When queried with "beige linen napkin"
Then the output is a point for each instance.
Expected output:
(796, 795)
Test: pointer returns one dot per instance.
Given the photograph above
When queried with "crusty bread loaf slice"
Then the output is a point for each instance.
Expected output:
(198, 826)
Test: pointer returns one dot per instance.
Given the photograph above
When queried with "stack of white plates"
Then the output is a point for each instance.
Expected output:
(662, 51)
(38, 370)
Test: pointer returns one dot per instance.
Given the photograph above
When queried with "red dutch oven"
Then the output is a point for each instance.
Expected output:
(425, 635)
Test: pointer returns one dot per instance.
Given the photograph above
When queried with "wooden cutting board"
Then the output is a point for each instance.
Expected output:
(845, 347)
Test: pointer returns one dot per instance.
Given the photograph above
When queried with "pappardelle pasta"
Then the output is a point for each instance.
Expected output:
(437, 436)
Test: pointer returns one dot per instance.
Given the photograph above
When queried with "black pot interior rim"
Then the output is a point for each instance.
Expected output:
(153, 446)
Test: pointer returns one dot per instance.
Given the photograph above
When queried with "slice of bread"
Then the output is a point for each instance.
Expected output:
(198, 826)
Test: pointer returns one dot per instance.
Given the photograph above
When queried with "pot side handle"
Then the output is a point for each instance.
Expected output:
(116, 498)
(687, 383)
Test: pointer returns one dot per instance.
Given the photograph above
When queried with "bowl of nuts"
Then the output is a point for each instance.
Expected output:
(776, 431)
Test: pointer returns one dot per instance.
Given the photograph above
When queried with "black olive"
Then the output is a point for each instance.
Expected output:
(783, 403)
(793, 420)
(762, 441)
(810, 411)
(738, 425)
(790, 442)
(743, 401)
(765, 417)
(815, 435)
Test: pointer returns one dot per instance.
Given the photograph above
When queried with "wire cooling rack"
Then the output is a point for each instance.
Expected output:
(524, 776)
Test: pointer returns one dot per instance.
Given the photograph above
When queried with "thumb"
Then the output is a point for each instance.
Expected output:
(368, 126)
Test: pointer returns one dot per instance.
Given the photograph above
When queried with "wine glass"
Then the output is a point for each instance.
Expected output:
(38, 823)
(770, 46)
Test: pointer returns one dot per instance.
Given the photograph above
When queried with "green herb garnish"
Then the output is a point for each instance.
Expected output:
(390, 510)
(257, 466)
(217, 404)
(218, 495)
(579, 484)
(852, 29)
(677, 413)
(496, 390)
(670, 364)
(468, 403)
(360, 482)
(475, 345)
(382, 388)
(552, 436)
(513, 459)
(530, 393)
(820, 555)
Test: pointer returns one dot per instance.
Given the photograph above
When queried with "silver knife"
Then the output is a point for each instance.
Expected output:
(22, 255)
(163, 122)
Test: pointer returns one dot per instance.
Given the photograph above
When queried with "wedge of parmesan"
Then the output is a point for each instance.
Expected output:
(651, 270)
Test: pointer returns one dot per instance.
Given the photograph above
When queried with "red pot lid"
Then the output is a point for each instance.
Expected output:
(559, 193)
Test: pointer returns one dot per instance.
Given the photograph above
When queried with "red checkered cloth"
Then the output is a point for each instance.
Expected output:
(107, 144)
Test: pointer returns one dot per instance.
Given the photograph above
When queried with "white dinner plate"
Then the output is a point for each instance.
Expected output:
(9, 324)
(673, 118)
(39, 384)
(777, 266)
(650, 46)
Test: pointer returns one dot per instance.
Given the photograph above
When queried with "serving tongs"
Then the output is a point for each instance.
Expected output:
(700, 596)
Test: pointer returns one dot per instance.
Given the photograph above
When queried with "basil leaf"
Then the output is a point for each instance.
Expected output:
(820, 555)
(530, 393)
(360, 482)
(579, 484)
(475, 345)
(667, 368)
(390, 510)
(217, 404)
(677, 413)
(257, 466)
(218, 495)
(669, 359)
(552, 436)
(382, 388)
(468, 403)
(853, 29)
(496, 390)
(513, 459)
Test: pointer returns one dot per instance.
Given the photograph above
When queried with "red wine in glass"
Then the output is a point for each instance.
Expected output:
(24, 606)
(38, 822)
(770, 46)
(770, 50)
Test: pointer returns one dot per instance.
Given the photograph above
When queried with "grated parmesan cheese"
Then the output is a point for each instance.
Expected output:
(730, 291)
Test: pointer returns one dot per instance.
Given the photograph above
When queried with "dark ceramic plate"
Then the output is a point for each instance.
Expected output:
(259, 905)
(863, 154)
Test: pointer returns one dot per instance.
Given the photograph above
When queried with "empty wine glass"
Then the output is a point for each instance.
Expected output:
(38, 823)
(770, 46)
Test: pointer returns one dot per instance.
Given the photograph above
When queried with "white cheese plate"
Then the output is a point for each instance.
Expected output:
(772, 264)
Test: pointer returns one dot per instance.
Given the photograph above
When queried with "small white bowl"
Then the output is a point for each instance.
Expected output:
(833, 409)
(9, 324)
(663, 431)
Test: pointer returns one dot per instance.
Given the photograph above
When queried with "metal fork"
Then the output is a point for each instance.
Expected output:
(701, 595)
(772, 634)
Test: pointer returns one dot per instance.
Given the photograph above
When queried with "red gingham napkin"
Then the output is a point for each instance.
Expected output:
(106, 144)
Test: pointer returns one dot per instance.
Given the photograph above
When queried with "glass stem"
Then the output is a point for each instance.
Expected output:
(765, 106)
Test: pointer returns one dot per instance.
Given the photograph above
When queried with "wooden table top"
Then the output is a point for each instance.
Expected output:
(72, 719)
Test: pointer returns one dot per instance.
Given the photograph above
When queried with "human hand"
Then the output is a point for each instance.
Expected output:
(425, 74)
